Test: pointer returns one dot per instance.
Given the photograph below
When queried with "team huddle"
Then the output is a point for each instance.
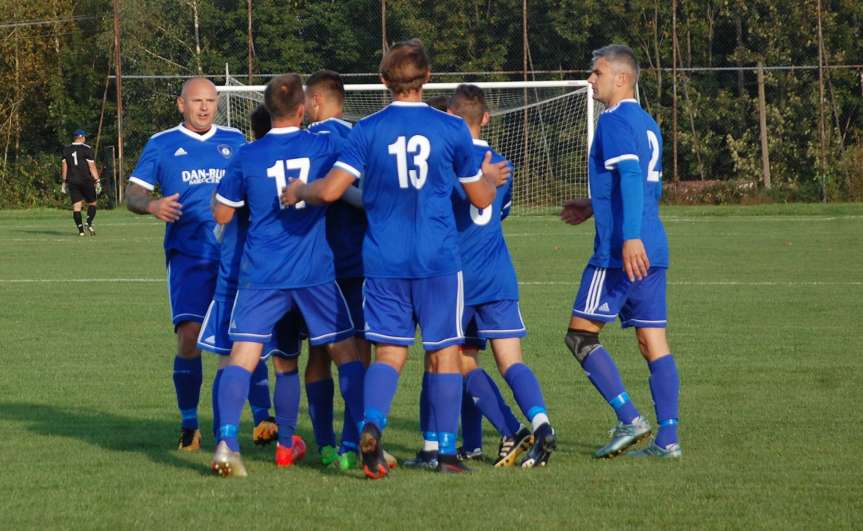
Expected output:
(351, 236)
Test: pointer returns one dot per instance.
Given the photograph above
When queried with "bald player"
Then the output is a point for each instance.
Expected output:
(187, 162)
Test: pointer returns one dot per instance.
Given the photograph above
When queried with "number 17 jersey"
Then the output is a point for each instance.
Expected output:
(409, 157)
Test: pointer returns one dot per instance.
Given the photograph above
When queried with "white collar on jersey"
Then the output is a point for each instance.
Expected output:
(480, 142)
(627, 100)
(409, 104)
(333, 119)
(282, 130)
(200, 137)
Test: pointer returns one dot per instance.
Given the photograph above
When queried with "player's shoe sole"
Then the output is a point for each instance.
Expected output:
(227, 463)
(510, 449)
(286, 457)
(265, 432)
(190, 440)
(374, 464)
(544, 443)
(624, 437)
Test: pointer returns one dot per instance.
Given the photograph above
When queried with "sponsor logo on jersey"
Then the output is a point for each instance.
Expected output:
(180, 152)
(225, 150)
(203, 176)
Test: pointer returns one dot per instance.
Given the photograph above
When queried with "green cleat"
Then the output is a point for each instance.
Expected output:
(227, 463)
(672, 451)
(347, 461)
(329, 455)
(624, 436)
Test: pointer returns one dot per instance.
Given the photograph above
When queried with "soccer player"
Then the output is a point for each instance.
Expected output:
(214, 330)
(438, 102)
(80, 178)
(346, 227)
(625, 277)
(286, 265)
(409, 157)
(187, 162)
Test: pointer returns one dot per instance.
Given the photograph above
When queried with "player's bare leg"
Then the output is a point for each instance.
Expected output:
(187, 350)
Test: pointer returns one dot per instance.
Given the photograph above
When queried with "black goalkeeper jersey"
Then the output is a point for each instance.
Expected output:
(77, 157)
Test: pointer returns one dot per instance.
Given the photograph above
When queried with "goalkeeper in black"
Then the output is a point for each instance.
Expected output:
(81, 179)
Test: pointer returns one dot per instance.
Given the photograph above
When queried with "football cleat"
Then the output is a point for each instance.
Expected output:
(265, 432)
(329, 455)
(391, 460)
(346, 461)
(672, 451)
(227, 463)
(286, 457)
(424, 459)
(451, 464)
(468, 455)
(624, 436)
(544, 443)
(511, 448)
(80, 233)
(90, 229)
(190, 440)
(374, 464)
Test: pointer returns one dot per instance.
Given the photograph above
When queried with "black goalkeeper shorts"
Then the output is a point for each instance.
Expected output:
(82, 191)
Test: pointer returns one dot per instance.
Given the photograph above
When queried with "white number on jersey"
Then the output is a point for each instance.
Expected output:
(480, 217)
(420, 147)
(653, 176)
(75, 157)
(277, 172)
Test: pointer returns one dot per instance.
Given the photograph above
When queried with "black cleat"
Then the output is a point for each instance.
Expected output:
(424, 459)
(465, 454)
(450, 464)
(544, 443)
(190, 440)
(374, 463)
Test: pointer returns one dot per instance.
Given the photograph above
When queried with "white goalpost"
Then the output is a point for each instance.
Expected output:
(545, 128)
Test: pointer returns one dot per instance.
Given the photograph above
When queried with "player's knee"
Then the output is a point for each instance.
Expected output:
(582, 343)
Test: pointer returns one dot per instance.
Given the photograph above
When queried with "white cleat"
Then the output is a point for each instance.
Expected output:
(227, 463)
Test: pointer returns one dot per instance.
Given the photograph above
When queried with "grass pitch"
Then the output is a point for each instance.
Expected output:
(764, 322)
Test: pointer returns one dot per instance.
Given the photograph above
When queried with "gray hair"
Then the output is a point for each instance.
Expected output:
(619, 53)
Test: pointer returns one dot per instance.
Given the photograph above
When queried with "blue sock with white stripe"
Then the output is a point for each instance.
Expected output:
(233, 390)
(259, 393)
(320, 397)
(665, 388)
(188, 376)
(351, 376)
(471, 420)
(445, 394)
(215, 402)
(287, 402)
(527, 393)
(427, 425)
(487, 397)
(381, 383)
(603, 374)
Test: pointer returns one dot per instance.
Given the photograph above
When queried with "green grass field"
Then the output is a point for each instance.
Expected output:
(764, 308)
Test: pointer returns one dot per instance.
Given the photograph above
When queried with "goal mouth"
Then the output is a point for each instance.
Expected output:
(544, 128)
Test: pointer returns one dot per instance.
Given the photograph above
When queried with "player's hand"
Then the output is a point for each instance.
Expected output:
(63, 187)
(498, 173)
(635, 261)
(97, 185)
(576, 211)
(291, 193)
(167, 208)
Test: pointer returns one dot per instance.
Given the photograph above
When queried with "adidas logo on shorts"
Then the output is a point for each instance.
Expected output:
(604, 307)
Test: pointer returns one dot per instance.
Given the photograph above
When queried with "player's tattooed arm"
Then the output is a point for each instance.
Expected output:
(167, 208)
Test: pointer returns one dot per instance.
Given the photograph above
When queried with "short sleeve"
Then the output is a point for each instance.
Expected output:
(617, 140)
(467, 166)
(88, 154)
(146, 172)
(354, 153)
(231, 190)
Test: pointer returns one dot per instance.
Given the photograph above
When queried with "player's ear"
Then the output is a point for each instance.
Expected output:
(428, 76)
(301, 112)
(486, 117)
(181, 104)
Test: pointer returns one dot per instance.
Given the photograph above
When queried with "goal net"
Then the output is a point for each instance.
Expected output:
(543, 127)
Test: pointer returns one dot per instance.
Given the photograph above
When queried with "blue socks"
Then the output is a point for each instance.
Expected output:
(320, 397)
(471, 420)
(215, 395)
(351, 376)
(381, 383)
(233, 390)
(187, 383)
(488, 399)
(259, 393)
(287, 401)
(602, 372)
(665, 388)
(445, 394)
(526, 390)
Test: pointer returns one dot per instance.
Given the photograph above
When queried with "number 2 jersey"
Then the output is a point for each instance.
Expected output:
(181, 161)
(625, 132)
(486, 263)
(409, 157)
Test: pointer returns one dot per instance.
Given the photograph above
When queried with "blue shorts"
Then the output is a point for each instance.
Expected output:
(214, 337)
(352, 289)
(322, 307)
(191, 284)
(606, 293)
(491, 320)
(394, 307)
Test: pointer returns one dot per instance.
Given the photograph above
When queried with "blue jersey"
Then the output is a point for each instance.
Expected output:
(286, 247)
(486, 264)
(181, 161)
(626, 132)
(409, 157)
(233, 241)
(346, 224)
